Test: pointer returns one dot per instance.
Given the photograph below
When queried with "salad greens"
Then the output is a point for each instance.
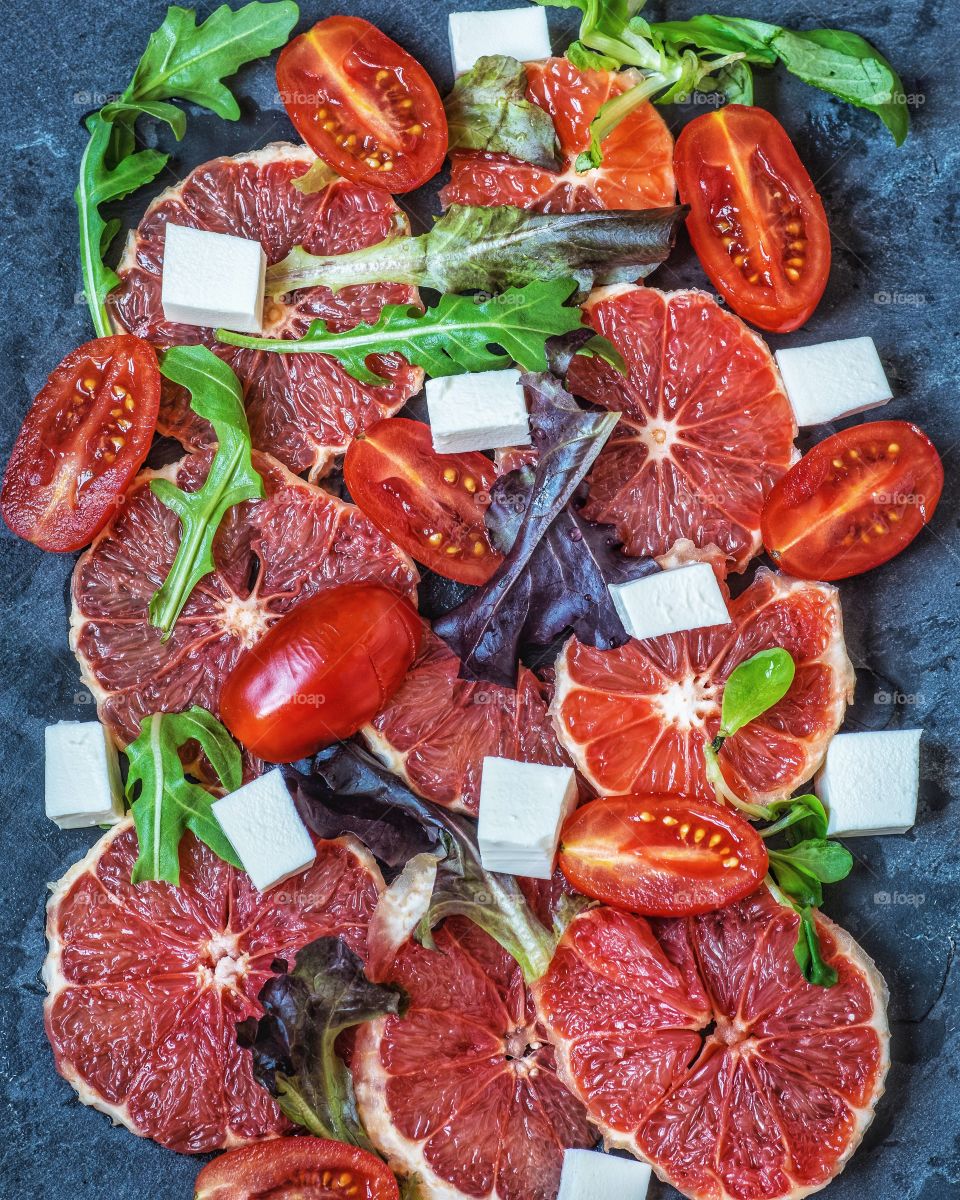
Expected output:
(459, 333)
(215, 395)
(491, 249)
(488, 110)
(294, 1042)
(558, 566)
(670, 60)
(165, 803)
(461, 885)
(182, 61)
(810, 859)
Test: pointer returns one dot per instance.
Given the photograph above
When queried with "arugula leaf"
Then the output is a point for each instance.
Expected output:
(182, 61)
(460, 333)
(808, 955)
(164, 803)
(799, 818)
(488, 110)
(231, 478)
(462, 886)
(710, 53)
(753, 687)
(294, 1042)
(557, 566)
(490, 249)
(824, 859)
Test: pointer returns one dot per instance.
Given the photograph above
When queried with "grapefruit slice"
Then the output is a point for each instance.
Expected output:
(699, 1047)
(302, 408)
(636, 719)
(270, 554)
(462, 1090)
(637, 169)
(438, 728)
(706, 429)
(146, 984)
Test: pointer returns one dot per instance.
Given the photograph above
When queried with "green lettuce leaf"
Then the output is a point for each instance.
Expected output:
(215, 395)
(458, 334)
(491, 249)
(164, 803)
(294, 1042)
(488, 110)
(182, 61)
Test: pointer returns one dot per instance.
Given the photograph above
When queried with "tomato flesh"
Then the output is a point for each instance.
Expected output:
(756, 221)
(853, 502)
(307, 1168)
(431, 505)
(663, 856)
(320, 673)
(363, 104)
(85, 437)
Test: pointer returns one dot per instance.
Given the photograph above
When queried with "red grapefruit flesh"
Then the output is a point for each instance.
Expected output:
(766, 1103)
(706, 427)
(462, 1090)
(637, 169)
(270, 555)
(302, 408)
(146, 984)
(636, 719)
(437, 729)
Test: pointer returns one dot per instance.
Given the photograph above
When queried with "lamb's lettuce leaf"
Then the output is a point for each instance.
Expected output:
(294, 1042)
(558, 566)
(488, 110)
(491, 249)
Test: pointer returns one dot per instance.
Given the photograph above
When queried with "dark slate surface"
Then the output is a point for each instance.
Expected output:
(894, 216)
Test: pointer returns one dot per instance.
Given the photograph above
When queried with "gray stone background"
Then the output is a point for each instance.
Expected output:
(894, 217)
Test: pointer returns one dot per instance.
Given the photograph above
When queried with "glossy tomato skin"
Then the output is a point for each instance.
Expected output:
(431, 505)
(662, 856)
(756, 221)
(320, 673)
(363, 104)
(85, 437)
(853, 502)
(296, 1166)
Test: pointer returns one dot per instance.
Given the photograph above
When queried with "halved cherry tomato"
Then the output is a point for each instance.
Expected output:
(756, 221)
(323, 671)
(430, 504)
(853, 502)
(81, 443)
(665, 856)
(306, 1167)
(363, 104)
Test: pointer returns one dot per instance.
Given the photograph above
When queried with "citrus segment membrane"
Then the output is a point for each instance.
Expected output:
(706, 428)
(270, 555)
(637, 170)
(699, 1047)
(438, 728)
(303, 408)
(462, 1091)
(636, 719)
(146, 984)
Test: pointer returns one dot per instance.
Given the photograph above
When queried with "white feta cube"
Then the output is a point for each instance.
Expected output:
(515, 32)
(81, 775)
(833, 379)
(213, 279)
(591, 1175)
(869, 782)
(263, 826)
(682, 598)
(522, 809)
(485, 410)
